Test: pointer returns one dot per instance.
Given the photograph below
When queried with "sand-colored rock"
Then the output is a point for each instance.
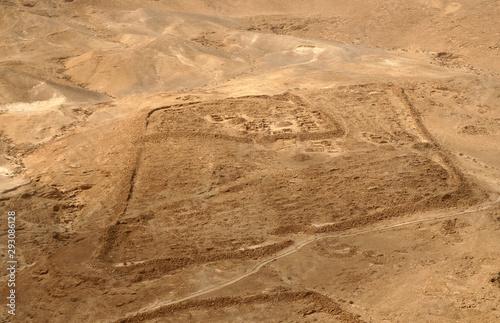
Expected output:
(265, 161)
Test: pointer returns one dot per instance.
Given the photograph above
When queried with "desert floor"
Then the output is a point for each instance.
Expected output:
(265, 161)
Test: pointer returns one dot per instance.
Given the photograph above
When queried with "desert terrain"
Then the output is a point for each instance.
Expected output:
(265, 161)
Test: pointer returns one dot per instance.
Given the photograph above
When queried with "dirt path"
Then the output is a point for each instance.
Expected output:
(303, 244)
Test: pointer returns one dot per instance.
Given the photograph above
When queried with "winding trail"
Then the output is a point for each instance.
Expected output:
(399, 93)
(301, 245)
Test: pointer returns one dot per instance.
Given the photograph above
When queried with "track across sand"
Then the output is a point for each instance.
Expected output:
(301, 245)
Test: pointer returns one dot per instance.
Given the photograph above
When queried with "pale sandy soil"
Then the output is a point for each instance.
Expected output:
(265, 161)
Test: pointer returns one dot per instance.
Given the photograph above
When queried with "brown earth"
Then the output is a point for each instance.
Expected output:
(228, 161)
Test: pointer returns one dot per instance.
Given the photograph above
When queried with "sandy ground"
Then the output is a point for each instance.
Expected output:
(228, 161)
